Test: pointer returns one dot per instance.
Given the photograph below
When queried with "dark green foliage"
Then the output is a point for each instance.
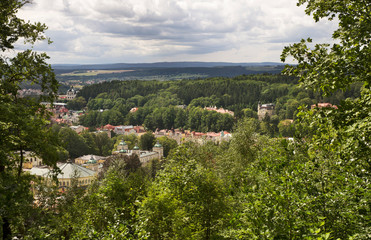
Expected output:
(147, 141)
(76, 104)
(158, 102)
(23, 121)
(167, 143)
(73, 143)
(187, 201)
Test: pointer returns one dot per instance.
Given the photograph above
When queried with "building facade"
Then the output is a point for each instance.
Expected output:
(264, 110)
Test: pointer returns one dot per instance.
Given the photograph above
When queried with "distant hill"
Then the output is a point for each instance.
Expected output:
(115, 66)
(88, 74)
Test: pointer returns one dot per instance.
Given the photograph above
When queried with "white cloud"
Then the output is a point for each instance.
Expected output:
(95, 31)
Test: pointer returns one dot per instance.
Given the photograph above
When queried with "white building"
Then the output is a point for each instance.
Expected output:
(69, 172)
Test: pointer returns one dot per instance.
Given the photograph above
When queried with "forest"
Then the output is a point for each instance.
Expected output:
(158, 102)
(258, 185)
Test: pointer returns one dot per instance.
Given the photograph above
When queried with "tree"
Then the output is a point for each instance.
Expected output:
(330, 68)
(77, 103)
(327, 69)
(167, 143)
(186, 201)
(339, 138)
(147, 141)
(103, 143)
(73, 143)
(23, 121)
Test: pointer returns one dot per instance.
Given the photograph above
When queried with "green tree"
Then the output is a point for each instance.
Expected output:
(77, 103)
(23, 121)
(89, 139)
(147, 141)
(167, 143)
(286, 128)
(110, 207)
(73, 143)
(186, 201)
(339, 138)
(104, 144)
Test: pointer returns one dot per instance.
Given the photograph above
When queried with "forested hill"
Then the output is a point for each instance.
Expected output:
(158, 101)
(169, 71)
(244, 89)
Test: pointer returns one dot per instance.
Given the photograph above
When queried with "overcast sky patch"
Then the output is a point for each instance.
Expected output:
(95, 31)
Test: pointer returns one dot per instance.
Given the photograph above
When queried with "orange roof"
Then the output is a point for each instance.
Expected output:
(323, 105)
(134, 109)
(109, 127)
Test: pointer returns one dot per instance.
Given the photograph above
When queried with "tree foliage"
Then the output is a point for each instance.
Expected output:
(23, 121)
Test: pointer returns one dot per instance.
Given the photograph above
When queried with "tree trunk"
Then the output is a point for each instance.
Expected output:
(7, 232)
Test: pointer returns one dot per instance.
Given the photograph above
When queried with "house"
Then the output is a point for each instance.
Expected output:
(78, 129)
(69, 172)
(125, 130)
(31, 160)
(109, 127)
(264, 110)
(219, 137)
(219, 110)
(144, 156)
(134, 109)
(323, 105)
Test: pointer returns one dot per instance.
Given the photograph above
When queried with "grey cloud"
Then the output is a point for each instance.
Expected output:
(170, 27)
(117, 10)
(299, 32)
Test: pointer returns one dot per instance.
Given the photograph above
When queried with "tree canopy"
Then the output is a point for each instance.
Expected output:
(23, 121)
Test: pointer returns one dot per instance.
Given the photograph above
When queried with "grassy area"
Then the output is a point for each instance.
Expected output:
(94, 72)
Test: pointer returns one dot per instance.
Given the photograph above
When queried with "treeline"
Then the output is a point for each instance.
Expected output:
(161, 104)
(239, 88)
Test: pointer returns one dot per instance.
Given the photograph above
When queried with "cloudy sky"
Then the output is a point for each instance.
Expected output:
(132, 31)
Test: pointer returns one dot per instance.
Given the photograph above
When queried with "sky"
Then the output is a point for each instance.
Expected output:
(145, 31)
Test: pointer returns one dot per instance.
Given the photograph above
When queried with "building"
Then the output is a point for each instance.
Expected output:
(31, 160)
(323, 105)
(92, 164)
(125, 130)
(158, 149)
(219, 110)
(122, 146)
(71, 94)
(264, 110)
(84, 159)
(70, 172)
(78, 129)
(144, 156)
(134, 109)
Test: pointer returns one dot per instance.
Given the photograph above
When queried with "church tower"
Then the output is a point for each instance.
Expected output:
(159, 149)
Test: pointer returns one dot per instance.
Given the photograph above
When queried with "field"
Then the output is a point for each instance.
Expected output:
(94, 72)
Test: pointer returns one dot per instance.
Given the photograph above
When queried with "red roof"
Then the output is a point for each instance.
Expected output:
(109, 127)
(323, 105)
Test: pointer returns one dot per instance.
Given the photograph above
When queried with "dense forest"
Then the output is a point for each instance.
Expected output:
(255, 186)
(158, 102)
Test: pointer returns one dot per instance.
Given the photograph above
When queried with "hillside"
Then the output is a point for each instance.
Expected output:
(87, 74)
